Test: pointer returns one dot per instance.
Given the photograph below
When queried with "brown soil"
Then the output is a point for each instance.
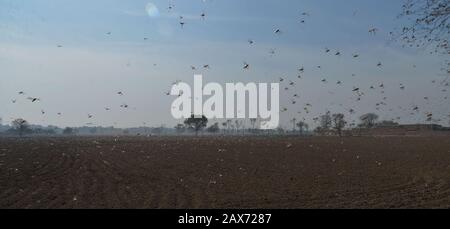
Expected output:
(247, 172)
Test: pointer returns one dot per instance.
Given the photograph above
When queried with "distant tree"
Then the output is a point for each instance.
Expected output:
(294, 124)
(50, 131)
(428, 24)
(302, 126)
(180, 128)
(21, 126)
(338, 123)
(318, 130)
(68, 131)
(214, 128)
(196, 124)
(326, 121)
(229, 124)
(368, 120)
(231, 128)
(224, 127)
(239, 124)
(448, 120)
(253, 123)
(280, 130)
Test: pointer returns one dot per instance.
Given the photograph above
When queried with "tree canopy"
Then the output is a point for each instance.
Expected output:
(196, 124)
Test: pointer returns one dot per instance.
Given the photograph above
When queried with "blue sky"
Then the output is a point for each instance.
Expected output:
(83, 76)
(330, 22)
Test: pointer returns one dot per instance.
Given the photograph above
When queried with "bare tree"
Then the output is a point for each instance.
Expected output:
(224, 127)
(280, 130)
(448, 120)
(69, 131)
(253, 123)
(428, 24)
(229, 125)
(368, 120)
(339, 123)
(214, 128)
(294, 124)
(239, 124)
(326, 121)
(196, 124)
(302, 126)
(21, 126)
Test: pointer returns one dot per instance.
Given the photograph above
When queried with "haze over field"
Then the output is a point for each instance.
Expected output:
(76, 56)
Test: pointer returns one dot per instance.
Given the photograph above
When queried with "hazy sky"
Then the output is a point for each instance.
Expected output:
(103, 51)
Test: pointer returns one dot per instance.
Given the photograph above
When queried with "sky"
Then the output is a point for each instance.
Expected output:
(76, 55)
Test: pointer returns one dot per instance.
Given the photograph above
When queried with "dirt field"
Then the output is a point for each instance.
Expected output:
(171, 172)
